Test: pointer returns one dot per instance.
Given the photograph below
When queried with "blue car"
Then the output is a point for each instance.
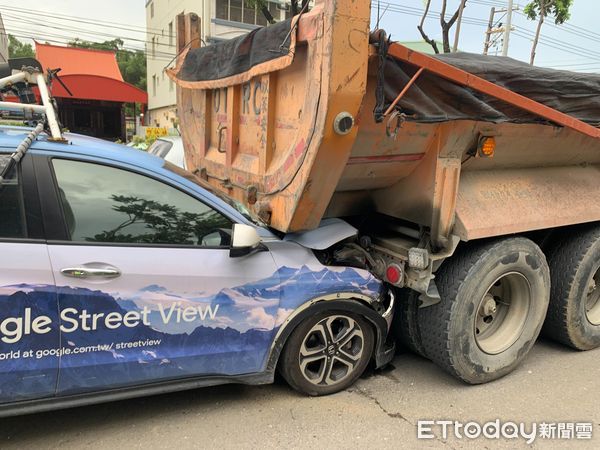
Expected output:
(122, 275)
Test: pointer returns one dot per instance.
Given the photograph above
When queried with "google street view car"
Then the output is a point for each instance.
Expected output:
(121, 275)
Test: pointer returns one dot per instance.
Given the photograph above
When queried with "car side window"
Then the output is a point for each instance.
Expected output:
(12, 212)
(108, 205)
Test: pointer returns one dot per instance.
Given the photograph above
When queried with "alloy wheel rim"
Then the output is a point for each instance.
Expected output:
(592, 304)
(502, 313)
(331, 350)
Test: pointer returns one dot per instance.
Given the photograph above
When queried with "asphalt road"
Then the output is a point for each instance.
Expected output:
(554, 385)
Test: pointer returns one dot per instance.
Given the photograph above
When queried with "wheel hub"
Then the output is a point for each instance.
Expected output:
(592, 304)
(489, 307)
(502, 313)
(331, 351)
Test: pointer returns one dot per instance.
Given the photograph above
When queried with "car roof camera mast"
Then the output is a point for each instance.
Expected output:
(18, 76)
(16, 157)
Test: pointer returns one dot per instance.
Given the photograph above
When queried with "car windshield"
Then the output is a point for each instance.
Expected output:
(160, 148)
(234, 204)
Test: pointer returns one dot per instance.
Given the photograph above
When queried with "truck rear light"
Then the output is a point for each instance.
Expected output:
(394, 274)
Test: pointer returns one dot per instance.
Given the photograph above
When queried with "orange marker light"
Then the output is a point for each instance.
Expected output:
(487, 147)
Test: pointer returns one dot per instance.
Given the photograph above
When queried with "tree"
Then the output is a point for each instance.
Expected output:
(17, 49)
(540, 9)
(446, 25)
(162, 224)
(263, 6)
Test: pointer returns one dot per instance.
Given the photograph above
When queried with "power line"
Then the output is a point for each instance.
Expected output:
(54, 26)
(556, 47)
(567, 28)
(556, 44)
(565, 45)
(158, 55)
(87, 20)
(418, 12)
(65, 40)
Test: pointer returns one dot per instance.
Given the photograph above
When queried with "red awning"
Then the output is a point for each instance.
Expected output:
(89, 74)
(92, 87)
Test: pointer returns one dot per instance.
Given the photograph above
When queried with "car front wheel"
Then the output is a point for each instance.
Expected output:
(327, 353)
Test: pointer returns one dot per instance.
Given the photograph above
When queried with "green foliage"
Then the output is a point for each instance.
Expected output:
(131, 63)
(143, 142)
(559, 9)
(17, 49)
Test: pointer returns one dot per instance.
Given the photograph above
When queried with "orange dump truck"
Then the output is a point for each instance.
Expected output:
(474, 182)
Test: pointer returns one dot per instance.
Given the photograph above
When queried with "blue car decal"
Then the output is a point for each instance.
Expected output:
(111, 340)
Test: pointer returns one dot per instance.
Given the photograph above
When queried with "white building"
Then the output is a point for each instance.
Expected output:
(221, 19)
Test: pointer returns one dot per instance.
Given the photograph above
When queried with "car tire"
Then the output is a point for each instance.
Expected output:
(327, 353)
(574, 313)
(406, 323)
(494, 300)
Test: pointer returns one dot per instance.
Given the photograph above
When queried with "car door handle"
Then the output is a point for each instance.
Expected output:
(91, 272)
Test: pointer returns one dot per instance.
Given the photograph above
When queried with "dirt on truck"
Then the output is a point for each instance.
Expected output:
(474, 181)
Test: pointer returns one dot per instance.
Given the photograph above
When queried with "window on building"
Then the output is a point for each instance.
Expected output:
(171, 36)
(222, 9)
(152, 10)
(153, 46)
(241, 11)
(235, 10)
(154, 85)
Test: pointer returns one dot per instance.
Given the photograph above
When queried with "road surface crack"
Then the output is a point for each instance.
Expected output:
(369, 396)
(366, 394)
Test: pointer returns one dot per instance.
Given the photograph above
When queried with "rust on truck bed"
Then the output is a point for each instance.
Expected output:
(300, 143)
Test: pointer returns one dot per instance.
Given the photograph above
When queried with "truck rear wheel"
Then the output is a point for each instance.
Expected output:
(574, 312)
(406, 323)
(494, 300)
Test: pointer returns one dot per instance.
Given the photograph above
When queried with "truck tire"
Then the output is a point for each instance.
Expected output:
(327, 353)
(494, 300)
(406, 323)
(574, 312)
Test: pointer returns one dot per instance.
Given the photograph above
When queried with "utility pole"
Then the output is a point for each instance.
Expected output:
(508, 28)
(496, 28)
(488, 34)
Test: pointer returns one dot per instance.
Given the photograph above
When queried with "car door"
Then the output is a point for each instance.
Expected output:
(29, 335)
(147, 290)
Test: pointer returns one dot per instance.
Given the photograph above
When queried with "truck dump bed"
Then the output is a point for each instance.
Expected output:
(314, 118)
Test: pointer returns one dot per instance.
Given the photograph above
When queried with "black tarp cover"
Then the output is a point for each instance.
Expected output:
(433, 99)
(238, 60)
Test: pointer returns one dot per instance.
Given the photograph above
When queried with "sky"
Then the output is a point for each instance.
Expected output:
(575, 46)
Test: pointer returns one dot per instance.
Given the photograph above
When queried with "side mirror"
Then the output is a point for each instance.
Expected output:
(244, 240)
